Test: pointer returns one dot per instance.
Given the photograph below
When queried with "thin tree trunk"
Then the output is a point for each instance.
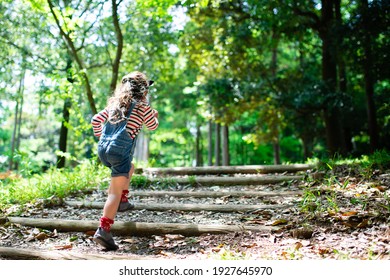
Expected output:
(14, 136)
(210, 143)
(119, 48)
(217, 147)
(198, 151)
(15, 142)
(369, 80)
(64, 132)
(274, 66)
(276, 147)
(225, 146)
(141, 153)
(62, 145)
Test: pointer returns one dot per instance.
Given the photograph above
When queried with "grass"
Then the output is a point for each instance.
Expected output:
(60, 183)
(366, 164)
(55, 182)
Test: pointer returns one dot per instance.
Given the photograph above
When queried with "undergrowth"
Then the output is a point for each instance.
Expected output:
(60, 183)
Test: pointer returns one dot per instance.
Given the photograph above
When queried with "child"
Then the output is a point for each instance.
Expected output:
(118, 126)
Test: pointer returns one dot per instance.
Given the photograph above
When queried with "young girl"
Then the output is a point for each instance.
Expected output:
(118, 126)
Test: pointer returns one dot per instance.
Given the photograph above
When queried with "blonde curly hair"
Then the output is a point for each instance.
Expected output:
(133, 88)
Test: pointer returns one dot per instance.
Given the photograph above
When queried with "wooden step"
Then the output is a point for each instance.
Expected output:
(213, 170)
(185, 207)
(137, 229)
(225, 181)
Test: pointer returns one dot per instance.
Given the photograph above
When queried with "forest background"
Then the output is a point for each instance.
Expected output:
(236, 82)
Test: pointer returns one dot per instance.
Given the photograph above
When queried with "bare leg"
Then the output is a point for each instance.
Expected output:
(114, 196)
(117, 185)
(131, 172)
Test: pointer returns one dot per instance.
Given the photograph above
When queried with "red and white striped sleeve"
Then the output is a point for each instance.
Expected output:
(98, 121)
(150, 121)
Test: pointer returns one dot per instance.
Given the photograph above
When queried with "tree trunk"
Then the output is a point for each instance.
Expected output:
(210, 144)
(276, 147)
(225, 146)
(64, 132)
(198, 148)
(15, 142)
(119, 46)
(141, 153)
(342, 74)
(334, 133)
(137, 229)
(65, 118)
(217, 147)
(369, 80)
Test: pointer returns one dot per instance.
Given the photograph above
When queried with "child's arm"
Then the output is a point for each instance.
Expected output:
(98, 121)
(150, 118)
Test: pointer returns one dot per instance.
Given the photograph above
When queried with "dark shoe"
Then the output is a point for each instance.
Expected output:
(125, 206)
(105, 239)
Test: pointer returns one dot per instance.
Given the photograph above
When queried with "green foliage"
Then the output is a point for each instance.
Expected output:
(253, 65)
(55, 182)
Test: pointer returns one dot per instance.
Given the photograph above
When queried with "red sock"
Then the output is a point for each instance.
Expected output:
(124, 196)
(105, 223)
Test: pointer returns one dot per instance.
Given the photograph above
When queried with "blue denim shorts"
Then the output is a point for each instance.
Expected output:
(117, 156)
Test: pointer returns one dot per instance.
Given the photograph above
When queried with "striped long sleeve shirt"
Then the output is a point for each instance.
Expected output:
(141, 114)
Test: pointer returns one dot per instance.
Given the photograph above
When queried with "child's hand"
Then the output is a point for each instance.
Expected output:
(155, 113)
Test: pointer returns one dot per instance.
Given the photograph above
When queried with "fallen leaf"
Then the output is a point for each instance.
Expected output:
(323, 251)
(249, 245)
(363, 224)
(350, 213)
(174, 236)
(41, 236)
(302, 233)
(277, 222)
(90, 233)
(381, 188)
(298, 245)
(129, 240)
(63, 247)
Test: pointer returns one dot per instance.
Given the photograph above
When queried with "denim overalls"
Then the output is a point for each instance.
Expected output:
(116, 147)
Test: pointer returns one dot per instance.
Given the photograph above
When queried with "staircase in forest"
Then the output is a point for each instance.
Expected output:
(257, 182)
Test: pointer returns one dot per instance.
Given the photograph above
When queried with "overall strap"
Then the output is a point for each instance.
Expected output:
(130, 110)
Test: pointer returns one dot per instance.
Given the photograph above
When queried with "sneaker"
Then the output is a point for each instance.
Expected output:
(125, 206)
(105, 239)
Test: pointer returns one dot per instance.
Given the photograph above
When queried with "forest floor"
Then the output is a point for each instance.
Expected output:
(344, 215)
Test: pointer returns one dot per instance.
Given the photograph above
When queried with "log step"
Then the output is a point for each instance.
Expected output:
(184, 207)
(227, 181)
(213, 194)
(137, 229)
(245, 169)
(28, 254)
